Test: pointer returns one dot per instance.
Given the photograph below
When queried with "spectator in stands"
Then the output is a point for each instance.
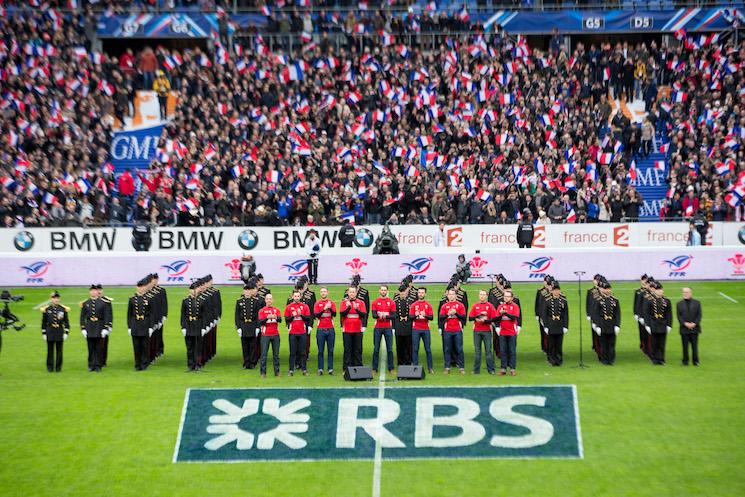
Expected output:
(162, 87)
(556, 212)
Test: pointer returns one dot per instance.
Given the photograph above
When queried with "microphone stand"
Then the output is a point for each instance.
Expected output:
(581, 364)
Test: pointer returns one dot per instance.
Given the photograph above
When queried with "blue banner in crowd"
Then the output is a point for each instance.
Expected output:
(181, 25)
(650, 182)
(135, 148)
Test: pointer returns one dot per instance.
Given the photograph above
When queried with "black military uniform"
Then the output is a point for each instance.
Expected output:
(154, 316)
(246, 323)
(555, 323)
(55, 328)
(659, 322)
(211, 303)
(192, 326)
(402, 326)
(606, 320)
(641, 295)
(93, 321)
(541, 295)
(138, 325)
(109, 302)
(158, 347)
(591, 299)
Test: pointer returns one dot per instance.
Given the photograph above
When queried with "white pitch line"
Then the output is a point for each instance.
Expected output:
(728, 298)
(378, 463)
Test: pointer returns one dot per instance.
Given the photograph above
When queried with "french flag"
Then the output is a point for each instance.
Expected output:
(734, 198)
(83, 186)
(272, 176)
(664, 148)
(348, 216)
(659, 165)
(7, 182)
(380, 168)
(237, 171)
(210, 152)
(361, 190)
(193, 184)
(506, 99)
(425, 141)
(354, 97)
(722, 168)
(571, 216)
(483, 195)
(679, 97)
(605, 158)
(49, 198)
(294, 72)
(412, 172)
(632, 170)
(547, 120)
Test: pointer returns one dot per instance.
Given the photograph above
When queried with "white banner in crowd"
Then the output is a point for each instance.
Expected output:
(412, 239)
(684, 263)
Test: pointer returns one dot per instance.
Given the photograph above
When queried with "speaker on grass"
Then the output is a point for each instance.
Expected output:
(358, 373)
(410, 373)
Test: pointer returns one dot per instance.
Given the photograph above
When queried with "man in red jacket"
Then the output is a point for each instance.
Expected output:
(383, 311)
(482, 314)
(508, 314)
(325, 310)
(422, 313)
(452, 319)
(297, 317)
(353, 313)
(269, 319)
(126, 184)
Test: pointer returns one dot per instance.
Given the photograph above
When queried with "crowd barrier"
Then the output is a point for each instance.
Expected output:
(684, 263)
(412, 239)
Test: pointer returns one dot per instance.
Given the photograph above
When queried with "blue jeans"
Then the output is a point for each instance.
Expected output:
(484, 337)
(378, 334)
(325, 338)
(453, 344)
(508, 351)
(415, 336)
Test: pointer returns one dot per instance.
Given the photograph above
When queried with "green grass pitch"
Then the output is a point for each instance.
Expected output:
(647, 431)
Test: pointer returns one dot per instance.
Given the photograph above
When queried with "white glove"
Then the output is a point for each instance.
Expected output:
(545, 330)
(129, 331)
(439, 330)
(105, 333)
(364, 329)
(667, 329)
(636, 317)
(649, 330)
(518, 329)
(588, 318)
(64, 337)
(498, 330)
(44, 336)
(204, 332)
(393, 331)
(309, 328)
(84, 332)
(149, 332)
(164, 319)
(239, 332)
(616, 329)
(597, 330)
(183, 331)
(641, 320)
(565, 330)
(537, 318)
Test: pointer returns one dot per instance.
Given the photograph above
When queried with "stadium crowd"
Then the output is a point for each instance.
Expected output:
(483, 129)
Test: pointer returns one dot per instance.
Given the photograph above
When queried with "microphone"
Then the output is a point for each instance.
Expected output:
(579, 273)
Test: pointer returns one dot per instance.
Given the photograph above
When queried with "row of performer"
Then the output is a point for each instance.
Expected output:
(404, 316)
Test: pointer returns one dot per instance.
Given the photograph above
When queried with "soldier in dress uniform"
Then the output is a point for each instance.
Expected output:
(93, 321)
(154, 315)
(246, 321)
(108, 301)
(591, 298)
(55, 328)
(606, 321)
(193, 325)
(212, 310)
(658, 322)
(162, 298)
(541, 295)
(402, 325)
(139, 324)
(640, 296)
(555, 321)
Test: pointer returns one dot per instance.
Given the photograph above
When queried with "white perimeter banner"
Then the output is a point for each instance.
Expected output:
(413, 240)
(684, 263)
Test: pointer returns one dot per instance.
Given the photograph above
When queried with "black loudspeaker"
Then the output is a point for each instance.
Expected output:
(410, 373)
(358, 373)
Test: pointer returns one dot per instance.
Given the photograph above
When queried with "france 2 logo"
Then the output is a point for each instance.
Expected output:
(356, 265)
(538, 266)
(176, 269)
(418, 267)
(296, 269)
(678, 265)
(36, 270)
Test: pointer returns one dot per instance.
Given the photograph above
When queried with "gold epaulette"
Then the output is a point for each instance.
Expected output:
(107, 299)
(81, 303)
(43, 309)
(67, 309)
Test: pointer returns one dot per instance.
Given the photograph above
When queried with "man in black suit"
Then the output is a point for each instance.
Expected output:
(689, 317)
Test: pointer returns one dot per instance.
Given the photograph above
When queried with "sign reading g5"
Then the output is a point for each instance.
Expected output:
(348, 423)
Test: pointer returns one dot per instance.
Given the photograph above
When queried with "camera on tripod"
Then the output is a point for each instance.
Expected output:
(7, 318)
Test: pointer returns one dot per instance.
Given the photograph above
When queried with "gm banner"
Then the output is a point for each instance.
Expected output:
(286, 424)
(135, 148)
(181, 25)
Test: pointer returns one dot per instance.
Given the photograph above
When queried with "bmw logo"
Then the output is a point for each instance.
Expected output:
(248, 239)
(740, 235)
(23, 241)
(363, 238)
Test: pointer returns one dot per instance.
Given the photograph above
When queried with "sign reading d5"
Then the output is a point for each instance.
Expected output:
(348, 423)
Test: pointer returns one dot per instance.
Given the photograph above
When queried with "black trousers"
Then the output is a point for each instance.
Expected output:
(352, 349)
(104, 350)
(524, 244)
(248, 344)
(193, 351)
(140, 345)
(607, 342)
(644, 340)
(554, 347)
(312, 271)
(691, 339)
(658, 348)
(403, 350)
(53, 364)
(297, 351)
(266, 341)
(95, 352)
(159, 347)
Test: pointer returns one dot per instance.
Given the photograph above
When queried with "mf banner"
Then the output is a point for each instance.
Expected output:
(411, 239)
(684, 263)
(135, 148)
(299, 424)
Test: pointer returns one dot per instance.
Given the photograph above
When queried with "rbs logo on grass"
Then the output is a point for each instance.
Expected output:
(349, 423)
